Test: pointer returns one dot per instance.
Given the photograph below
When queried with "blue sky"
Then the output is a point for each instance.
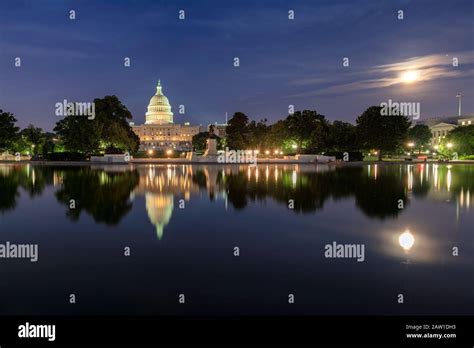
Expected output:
(282, 61)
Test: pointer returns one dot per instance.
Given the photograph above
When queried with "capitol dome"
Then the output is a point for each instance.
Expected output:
(159, 108)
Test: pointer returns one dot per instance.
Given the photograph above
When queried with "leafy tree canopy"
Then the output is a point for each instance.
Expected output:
(8, 131)
(420, 135)
(462, 139)
(383, 133)
(108, 129)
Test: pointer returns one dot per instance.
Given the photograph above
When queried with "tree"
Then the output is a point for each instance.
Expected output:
(8, 130)
(108, 130)
(276, 135)
(257, 134)
(342, 136)
(420, 135)
(79, 134)
(462, 139)
(113, 117)
(48, 144)
(34, 137)
(237, 137)
(309, 130)
(383, 133)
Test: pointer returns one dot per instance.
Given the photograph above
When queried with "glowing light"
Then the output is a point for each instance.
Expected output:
(406, 240)
(150, 152)
(411, 144)
(448, 179)
(267, 152)
(449, 145)
(436, 147)
(169, 152)
(409, 76)
(275, 152)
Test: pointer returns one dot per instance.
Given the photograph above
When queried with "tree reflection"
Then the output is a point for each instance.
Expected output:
(8, 191)
(376, 197)
(31, 179)
(104, 195)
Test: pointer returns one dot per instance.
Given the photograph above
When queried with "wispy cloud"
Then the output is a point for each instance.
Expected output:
(427, 68)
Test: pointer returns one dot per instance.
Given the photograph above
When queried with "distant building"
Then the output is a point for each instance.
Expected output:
(159, 132)
(441, 126)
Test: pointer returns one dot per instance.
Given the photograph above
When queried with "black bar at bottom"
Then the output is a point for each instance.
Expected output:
(423, 330)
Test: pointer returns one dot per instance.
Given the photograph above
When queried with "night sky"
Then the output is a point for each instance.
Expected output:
(282, 61)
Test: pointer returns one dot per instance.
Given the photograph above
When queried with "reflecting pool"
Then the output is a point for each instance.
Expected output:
(237, 239)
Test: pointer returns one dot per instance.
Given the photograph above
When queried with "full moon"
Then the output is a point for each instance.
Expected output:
(409, 76)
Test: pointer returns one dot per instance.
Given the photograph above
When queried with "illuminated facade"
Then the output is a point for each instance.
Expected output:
(440, 127)
(159, 132)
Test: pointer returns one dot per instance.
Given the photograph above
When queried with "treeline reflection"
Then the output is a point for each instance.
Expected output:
(107, 193)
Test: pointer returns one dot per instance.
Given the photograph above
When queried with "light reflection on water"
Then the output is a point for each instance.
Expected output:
(250, 205)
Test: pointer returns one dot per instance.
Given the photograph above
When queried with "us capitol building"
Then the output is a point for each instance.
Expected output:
(159, 132)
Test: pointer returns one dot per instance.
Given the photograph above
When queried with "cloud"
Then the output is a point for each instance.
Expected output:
(308, 81)
(427, 68)
(428, 61)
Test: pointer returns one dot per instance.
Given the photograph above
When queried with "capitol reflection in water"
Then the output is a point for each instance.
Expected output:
(183, 221)
(164, 188)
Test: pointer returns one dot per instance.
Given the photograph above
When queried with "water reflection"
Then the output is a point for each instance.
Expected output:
(107, 193)
(406, 240)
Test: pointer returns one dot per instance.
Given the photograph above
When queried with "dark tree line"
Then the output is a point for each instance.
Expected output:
(109, 130)
(310, 132)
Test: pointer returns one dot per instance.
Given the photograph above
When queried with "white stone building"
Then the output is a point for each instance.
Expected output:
(440, 127)
(159, 132)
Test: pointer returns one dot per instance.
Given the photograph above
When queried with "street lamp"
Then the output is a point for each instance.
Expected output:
(150, 153)
(169, 152)
(411, 144)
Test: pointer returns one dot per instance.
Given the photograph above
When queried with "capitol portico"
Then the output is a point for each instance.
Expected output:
(159, 132)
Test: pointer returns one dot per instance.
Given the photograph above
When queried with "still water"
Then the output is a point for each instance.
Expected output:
(182, 224)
